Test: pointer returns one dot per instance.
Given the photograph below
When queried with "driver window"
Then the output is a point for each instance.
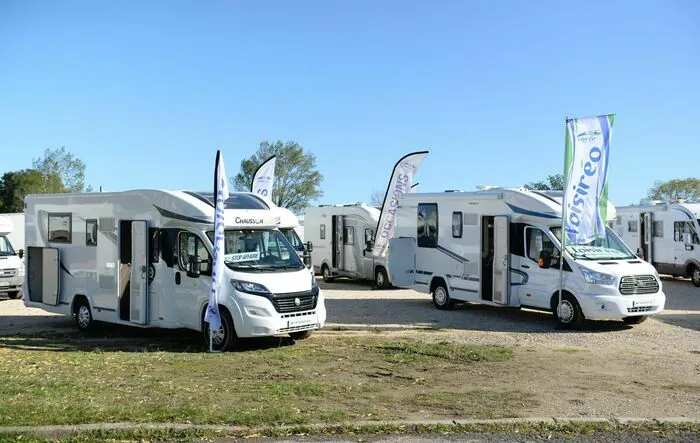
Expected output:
(369, 236)
(537, 241)
(189, 244)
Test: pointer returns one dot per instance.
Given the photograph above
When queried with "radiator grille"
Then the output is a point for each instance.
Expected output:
(9, 272)
(639, 284)
(294, 301)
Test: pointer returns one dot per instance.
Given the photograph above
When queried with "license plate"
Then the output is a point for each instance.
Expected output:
(4, 284)
(300, 322)
(642, 303)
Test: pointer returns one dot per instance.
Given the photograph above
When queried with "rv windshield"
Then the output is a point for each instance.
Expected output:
(252, 250)
(293, 238)
(608, 248)
(5, 246)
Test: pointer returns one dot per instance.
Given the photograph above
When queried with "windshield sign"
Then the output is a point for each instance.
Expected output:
(608, 248)
(258, 250)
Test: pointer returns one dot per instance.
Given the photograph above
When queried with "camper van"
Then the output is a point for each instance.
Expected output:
(11, 266)
(343, 239)
(501, 247)
(666, 235)
(144, 258)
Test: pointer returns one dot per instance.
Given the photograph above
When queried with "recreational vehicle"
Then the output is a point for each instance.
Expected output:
(666, 235)
(11, 266)
(343, 239)
(501, 247)
(144, 258)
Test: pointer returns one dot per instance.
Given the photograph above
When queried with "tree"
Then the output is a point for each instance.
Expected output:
(679, 188)
(69, 168)
(553, 182)
(297, 181)
(377, 198)
(15, 185)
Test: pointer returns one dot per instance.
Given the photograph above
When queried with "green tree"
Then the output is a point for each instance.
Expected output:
(69, 168)
(553, 182)
(297, 181)
(687, 189)
(377, 198)
(15, 185)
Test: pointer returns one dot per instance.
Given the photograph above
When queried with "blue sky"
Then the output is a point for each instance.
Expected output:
(145, 92)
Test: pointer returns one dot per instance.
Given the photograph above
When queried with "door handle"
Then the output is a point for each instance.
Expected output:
(177, 278)
(525, 266)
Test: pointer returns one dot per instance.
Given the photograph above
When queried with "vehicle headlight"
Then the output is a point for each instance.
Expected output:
(20, 271)
(314, 285)
(250, 288)
(597, 278)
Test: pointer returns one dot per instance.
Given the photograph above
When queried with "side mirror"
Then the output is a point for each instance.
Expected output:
(20, 253)
(640, 254)
(309, 246)
(545, 260)
(193, 265)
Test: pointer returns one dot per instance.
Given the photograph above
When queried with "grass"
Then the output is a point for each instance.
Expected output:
(325, 379)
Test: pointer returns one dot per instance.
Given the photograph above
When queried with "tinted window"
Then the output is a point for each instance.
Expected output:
(189, 244)
(60, 227)
(91, 232)
(427, 230)
(632, 226)
(236, 200)
(323, 232)
(349, 235)
(658, 229)
(457, 224)
(537, 241)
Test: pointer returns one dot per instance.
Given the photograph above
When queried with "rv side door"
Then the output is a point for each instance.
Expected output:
(138, 294)
(501, 260)
(648, 221)
(402, 261)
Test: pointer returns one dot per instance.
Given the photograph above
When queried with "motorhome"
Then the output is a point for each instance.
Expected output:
(144, 258)
(501, 247)
(11, 266)
(666, 235)
(16, 236)
(343, 239)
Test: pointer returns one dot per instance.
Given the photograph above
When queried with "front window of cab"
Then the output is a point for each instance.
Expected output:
(5, 246)
(293, 238)
(608, 248)
(251, 250)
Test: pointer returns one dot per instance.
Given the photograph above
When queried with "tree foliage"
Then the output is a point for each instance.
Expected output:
(15, 185)
(553, 182)
(69, 168)
(377, 198)
(297, 181)
(687, 189)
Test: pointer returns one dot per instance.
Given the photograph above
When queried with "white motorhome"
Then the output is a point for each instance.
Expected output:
(11, 266)
(343, 238)
(144, 258)
(16, 236)
(501, 247)
(666, 235)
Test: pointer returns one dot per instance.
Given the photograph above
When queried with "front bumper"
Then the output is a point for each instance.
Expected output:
(617, 307)
(9, 284)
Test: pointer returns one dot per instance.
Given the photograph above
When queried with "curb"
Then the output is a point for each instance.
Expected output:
(66, 430)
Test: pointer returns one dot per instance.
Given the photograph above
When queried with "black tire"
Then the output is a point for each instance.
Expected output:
(573, 315)
(634, 320)
(14, 295)
(326, 272)
(441, 297)
(695, 275)
(225, 338)
(381, 279)
(301, 335)
(83, 315)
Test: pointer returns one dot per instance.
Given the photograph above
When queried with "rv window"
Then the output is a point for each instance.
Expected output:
(60, 228)
(154, 244)
(684, 232)
(537, 241)
(631, 226)
(323, 232)
(91, 232)
(427, 230)
(658, 229)
(189, 244)
(348, 235)
(369, 235)
(457, 225)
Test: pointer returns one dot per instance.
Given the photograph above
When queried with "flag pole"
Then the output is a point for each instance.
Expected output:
(563, 225)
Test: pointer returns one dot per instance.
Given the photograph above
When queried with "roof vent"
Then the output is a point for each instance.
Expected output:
(453, 190)
(486, 187)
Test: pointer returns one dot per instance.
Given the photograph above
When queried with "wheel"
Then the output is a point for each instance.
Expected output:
(695, 275)
(301, 335)
(325, 270)
(441, 297)
(83, 315)
(14, 295)
(634, 320)
(225, 337)
(569, 315)
(381, 280)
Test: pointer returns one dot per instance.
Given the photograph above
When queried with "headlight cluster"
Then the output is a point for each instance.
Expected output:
(20, 271)
(597, 278)
(250, 288)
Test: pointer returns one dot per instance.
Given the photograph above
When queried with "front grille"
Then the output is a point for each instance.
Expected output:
(640, 309)
(295, 301)
(9, 272)
(638, 284)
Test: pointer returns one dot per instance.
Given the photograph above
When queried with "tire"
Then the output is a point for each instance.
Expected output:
(301, 335)
(695, 275)
(225, 338)
(83, 316)
(14, 295)
(634, 320)
(573, 315)
(381, 280)
(326, 272)
(441, 297)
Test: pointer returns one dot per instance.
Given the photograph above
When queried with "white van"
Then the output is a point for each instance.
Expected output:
(11, 266)
(501, 247)
(144, 258)
(666, 235)
(343, 239)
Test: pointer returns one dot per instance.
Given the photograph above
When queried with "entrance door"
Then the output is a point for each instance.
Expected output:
(367, 256)
(138, 294)
(487, 255)
(402, 261)
(647, 236)
(350, 261)
(338, 227)
(501, 260)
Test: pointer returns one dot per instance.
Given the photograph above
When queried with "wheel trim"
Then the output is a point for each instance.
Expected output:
(326, 273)
(218, 336)
(696, 275)
(440, 295)
(566, 311)
(84, 316)
(380, 278)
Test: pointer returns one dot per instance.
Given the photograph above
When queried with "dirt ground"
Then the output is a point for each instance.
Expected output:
(606, 369)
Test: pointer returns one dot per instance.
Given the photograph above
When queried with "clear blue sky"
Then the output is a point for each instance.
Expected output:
(145, 92)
